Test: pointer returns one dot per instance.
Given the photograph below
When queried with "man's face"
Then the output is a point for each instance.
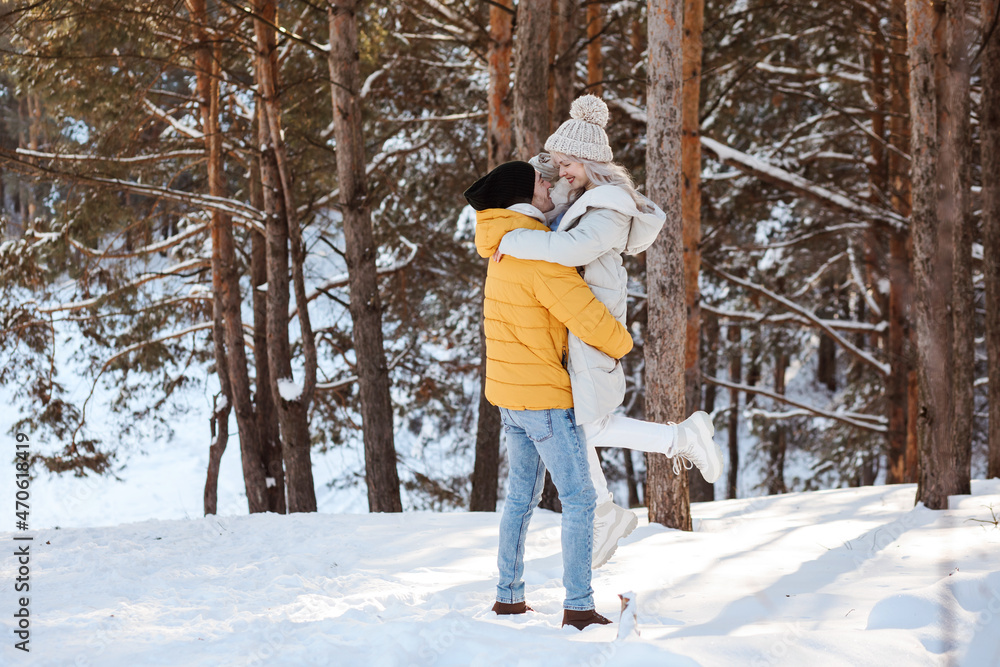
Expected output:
(541, 199)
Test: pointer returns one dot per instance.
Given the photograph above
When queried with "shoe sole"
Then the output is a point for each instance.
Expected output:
(706, 428)
(629, 527)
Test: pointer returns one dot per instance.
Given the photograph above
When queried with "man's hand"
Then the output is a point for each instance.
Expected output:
(497, 256)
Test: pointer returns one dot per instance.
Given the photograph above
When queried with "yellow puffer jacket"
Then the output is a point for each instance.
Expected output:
(528, 307)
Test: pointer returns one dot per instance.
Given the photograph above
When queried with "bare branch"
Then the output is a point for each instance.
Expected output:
(342, 280)
(133, 159)
(867, 422)
(800, 185)
(791, 318)
(860, 354)
(145, 250)
(195, 263)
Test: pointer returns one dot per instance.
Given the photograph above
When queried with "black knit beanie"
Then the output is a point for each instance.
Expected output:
(510, 183)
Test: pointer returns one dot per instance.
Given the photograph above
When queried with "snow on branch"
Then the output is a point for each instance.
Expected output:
(780, 177)
(137, 346)
(802, 238)
(448, 118)
(811, 280)
(791, 318)
(233, 207)
(377, 161)
(131, 348)
(868, 422)
(346, 382)
(859, 282)
(847, 345)
(133, 159)
(191, 264)
(145, 250)
(186, 130)
(453, 18)
(343, 279)
(798, 184)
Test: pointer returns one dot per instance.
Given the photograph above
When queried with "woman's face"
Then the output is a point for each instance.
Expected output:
(573, 173)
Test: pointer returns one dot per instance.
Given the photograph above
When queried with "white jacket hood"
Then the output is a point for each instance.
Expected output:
(646, 225)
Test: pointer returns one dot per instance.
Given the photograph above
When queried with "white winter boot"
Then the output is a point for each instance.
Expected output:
(611, 523)
(694, 444)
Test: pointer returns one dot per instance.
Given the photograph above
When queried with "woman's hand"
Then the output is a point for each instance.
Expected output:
(497, 256)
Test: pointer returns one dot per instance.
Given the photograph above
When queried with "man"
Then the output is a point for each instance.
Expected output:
(528, 307)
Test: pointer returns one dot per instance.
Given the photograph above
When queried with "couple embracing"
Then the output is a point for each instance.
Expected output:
(557, 266)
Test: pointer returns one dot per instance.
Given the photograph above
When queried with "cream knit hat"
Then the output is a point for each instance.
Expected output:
(583, 136)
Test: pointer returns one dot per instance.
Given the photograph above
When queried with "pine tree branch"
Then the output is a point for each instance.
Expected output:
(342, 280)
(233, 207)
(131, 348)
(846, 227)
(860, 354)
(867, 422)
(178, 269)
(140, 252)
(800, 185)
(791, 318)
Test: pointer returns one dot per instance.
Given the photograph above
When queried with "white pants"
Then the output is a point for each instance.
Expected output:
(627, 433)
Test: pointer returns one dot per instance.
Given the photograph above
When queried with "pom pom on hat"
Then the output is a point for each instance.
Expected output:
(583, 135)
(508, 184)
(590, 109)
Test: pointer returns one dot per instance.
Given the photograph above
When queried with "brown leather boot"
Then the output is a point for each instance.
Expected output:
(581, 619)
(508, 608)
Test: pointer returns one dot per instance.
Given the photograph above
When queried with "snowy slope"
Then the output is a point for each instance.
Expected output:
(841, 577)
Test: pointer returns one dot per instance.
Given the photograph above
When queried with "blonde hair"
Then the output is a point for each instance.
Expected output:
(607, 173)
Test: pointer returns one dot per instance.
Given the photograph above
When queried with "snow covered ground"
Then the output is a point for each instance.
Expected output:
(840, 577)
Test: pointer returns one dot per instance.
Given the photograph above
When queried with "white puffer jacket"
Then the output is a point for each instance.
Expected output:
(601, 225)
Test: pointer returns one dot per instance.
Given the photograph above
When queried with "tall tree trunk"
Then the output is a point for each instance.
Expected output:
(666, 493)
(26, 190)
(694, 20)
(531, 67)
(366, 307)
(499, 141)
(486, 469)
(595, 58)
(220, 435)
(633, 485)
(900, 289)
(550, 495)
(990, 132)
(34, 143)
(897, 393)
(956, 138)
(734, 335)
(912, 420)
(711, 329)
(284, 242)
(233, 374)
(564, 14)
(826, 367)
(932, 256)
(779, 442)
(207, 91)
(264, 404)
(878, 174)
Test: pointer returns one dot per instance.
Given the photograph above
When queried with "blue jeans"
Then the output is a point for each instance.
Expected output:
(536, 440)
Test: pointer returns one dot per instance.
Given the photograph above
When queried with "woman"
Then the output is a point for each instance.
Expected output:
(607, 217)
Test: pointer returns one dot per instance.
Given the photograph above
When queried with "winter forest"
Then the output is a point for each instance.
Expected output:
(265, 198)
